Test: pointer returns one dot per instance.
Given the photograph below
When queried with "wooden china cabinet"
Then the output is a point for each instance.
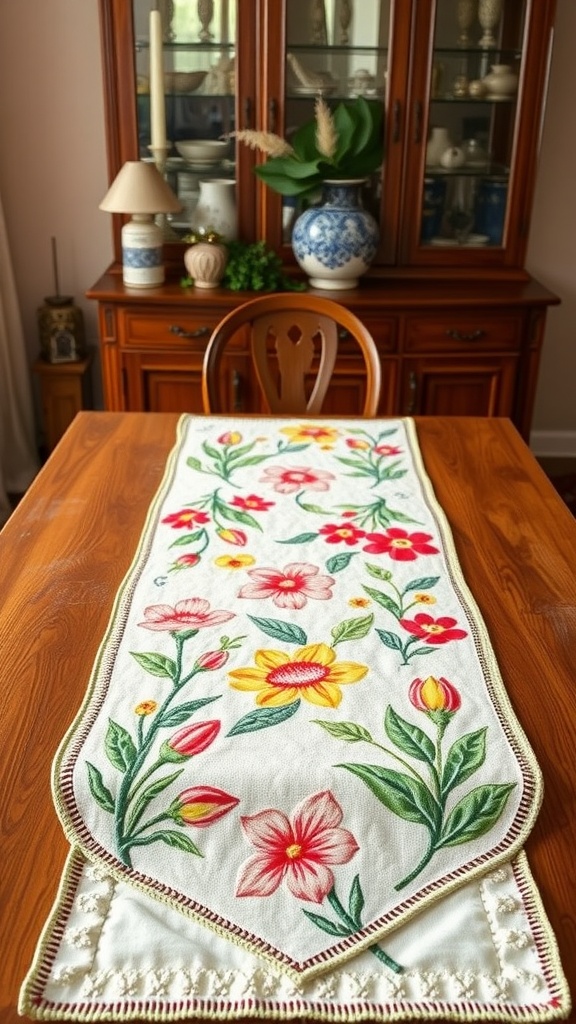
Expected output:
(458, 321)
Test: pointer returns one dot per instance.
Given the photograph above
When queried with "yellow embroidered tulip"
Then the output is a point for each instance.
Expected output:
(312, 673)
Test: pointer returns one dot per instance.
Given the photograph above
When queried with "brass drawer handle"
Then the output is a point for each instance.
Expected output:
(463, 336)
(200, 332)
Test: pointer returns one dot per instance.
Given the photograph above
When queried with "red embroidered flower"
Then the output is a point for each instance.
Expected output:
(434, 694)
(387, 449)
(190, 740)
(252, 502)
(399, 544)
(341, 533)
(236, 537)
(433, 631)
(185, 562)
(298, 848)
(201, 805)
(185, 518)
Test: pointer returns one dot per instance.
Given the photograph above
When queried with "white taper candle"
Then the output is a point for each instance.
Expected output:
(157, 111)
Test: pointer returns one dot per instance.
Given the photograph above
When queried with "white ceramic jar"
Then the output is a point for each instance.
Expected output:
(501, 83)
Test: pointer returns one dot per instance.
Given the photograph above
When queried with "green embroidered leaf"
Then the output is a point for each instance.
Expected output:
(252, 460)
(194, 463)
(187, 538)
(264, 718)
(424, 583)
(422, 650)
(377, 572)
(409, 738)
(236, 515)
(475, 814)
(212, 452)
(339, 562)
(464, 757)
(352, 629)
(233, 454)
(390, 639)
(101, 794)
(293, 448)
(326, 925)
(147, 795)
(156, 664)
(387, 602)
(177, 840)
(405, 796)
(349, 731)
(288, 632)
(312, 508)
(302, 538)
(119, 746)
(355, 463)
(180, 714)
(356, 901)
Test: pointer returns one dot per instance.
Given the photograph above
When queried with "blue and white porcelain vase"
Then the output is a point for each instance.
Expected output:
(336, 241)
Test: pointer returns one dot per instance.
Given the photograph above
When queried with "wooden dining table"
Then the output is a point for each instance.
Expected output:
(67, 547)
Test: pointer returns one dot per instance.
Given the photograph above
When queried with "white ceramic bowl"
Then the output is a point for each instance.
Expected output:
(203, 151)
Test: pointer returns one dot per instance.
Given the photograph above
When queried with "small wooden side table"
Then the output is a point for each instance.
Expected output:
(64, 391)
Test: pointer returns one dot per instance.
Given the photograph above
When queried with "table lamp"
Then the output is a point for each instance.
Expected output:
(140, 189)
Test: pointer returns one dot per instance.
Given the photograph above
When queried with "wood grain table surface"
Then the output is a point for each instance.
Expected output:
(68, 545)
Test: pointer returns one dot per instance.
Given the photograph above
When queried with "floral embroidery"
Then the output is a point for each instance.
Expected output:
(192, 613)
(433, 631)
(290, 587)
(287, 481)
(319, 434)
(399, 544)
(311, 673)
(341, 533)
(234, 561)
(412, 796)
(299, 850)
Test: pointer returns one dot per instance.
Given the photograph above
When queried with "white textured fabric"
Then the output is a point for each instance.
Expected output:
(296, 746)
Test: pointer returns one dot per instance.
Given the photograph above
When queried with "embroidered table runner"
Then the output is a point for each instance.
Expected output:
(296, 785)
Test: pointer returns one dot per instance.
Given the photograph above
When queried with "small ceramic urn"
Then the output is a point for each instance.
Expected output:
(206, 263)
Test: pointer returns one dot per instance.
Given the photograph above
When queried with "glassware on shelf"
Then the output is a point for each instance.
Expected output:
(489, 14)
(205, 14)
(466, 13)
(345, 19)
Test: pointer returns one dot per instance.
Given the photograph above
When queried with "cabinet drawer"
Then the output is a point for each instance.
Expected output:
(471, 332)
(383, 329)
(141, 329)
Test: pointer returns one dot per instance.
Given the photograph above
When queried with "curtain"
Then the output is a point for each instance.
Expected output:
(18, 455)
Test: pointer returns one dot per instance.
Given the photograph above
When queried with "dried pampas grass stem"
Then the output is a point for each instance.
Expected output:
(326, 134)
(266, 142)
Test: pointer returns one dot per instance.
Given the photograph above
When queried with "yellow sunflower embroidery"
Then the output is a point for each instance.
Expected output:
(324, 436)
(312, 673)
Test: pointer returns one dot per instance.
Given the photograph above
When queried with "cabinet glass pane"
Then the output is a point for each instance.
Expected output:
(337, 49)
(475, 71)
(198, 57)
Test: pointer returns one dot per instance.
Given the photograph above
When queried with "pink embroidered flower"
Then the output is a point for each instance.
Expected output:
(193, 613)
(184, 562)
(236, 537)
(434, 694)
(387, 449)
(252, 503)
(299, 478)
(190, 740)
(298, 849)
(289, 587)
(187, 517)
(356, 443)
(399, 544)
(433, 631)
(230, 437)
(341, 533)
(199, 806)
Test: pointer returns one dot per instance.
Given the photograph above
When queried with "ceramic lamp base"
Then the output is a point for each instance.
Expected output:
(142, 265)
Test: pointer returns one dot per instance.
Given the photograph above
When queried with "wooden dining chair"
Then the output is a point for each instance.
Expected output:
(292, 336)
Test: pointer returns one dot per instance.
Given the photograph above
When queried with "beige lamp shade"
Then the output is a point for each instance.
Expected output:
(140, 188)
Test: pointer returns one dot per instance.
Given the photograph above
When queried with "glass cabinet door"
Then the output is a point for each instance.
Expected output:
(472, 81)
(337, 49)
(201, 74)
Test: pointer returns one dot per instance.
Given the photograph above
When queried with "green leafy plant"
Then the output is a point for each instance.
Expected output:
(339, 144)
(253, 267)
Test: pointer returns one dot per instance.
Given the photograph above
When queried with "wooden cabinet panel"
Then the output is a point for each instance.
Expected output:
(457, 332)
(475, 387)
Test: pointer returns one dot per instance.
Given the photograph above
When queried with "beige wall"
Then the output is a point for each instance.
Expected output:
(53, 175)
